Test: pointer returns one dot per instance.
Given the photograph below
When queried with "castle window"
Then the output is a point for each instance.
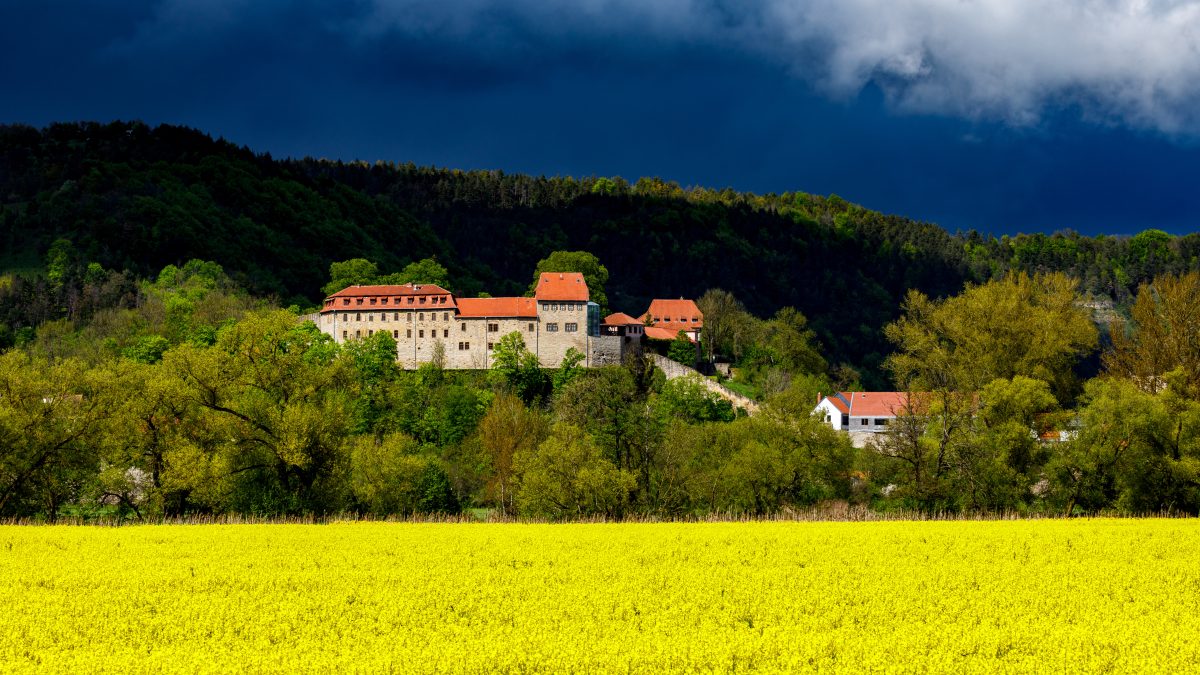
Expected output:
(408, 333)
(491, 346)
(421, 316)
(359, 301)
(464, 327)
(551, 328)
(345, 335)
(410, 317)
(358, 316)
(372, 301)
(445, 316)
(357, 334)
(422, 299)
(383, 301)
(383, 316)
(346, 301)
(421, 333)
(571, 327)
(530, 328)
(370, 317)
(396, 334)
(410, 300)
(493, 328)
(395, 316)
(370, 333)
(445, 332)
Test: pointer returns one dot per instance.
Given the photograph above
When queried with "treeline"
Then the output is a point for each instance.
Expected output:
(134, 198)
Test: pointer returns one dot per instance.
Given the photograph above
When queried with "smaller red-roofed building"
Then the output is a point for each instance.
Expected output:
(665, 318)
(622, 324)
(869, 411)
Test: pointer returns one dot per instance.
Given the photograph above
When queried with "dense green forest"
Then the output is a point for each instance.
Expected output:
(134, 198)
(155, 364)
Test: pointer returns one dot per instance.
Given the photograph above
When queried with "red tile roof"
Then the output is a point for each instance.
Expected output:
(656, 333)
(620, 319)
(568, 286)
(405, 289)
(523, 308)
(406, 296)
(870, 403)
(876, 403)
(675, 315)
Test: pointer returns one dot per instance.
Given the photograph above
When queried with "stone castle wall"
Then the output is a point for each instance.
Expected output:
(468, 342)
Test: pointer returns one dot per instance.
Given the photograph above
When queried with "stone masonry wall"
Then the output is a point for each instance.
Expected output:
(673, 370)
(608, 350)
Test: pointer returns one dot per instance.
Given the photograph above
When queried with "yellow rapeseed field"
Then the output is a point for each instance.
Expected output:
(1041, 596)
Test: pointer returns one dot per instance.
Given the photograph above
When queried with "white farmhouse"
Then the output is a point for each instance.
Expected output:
(869, 411)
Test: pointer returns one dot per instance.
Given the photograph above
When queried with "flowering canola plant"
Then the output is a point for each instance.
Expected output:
(889, 597)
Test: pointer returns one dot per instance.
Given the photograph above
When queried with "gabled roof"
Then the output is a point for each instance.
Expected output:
(522, 308)
(877, 403)
(839, 402)
(566, 286)
(681, 314)
(621, 319)
(869, 403)
(389, 297)
(404, 289)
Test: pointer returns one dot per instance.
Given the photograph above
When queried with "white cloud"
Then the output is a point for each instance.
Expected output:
(1135, 62)
(1130, 61)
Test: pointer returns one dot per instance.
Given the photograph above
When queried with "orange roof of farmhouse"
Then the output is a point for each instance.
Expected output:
(565, 286)
(870, 403)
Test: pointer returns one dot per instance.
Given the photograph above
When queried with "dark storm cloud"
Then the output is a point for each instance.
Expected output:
(1001, 114)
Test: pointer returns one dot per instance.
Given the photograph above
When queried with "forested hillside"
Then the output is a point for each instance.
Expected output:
(130, 199)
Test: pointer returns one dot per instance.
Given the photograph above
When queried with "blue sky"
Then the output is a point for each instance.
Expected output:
(1001, 115)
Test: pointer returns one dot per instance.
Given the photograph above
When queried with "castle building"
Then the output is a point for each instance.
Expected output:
(426, 318)
(665, 318)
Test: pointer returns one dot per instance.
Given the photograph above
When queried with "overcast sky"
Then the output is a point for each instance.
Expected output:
(1002, 115)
